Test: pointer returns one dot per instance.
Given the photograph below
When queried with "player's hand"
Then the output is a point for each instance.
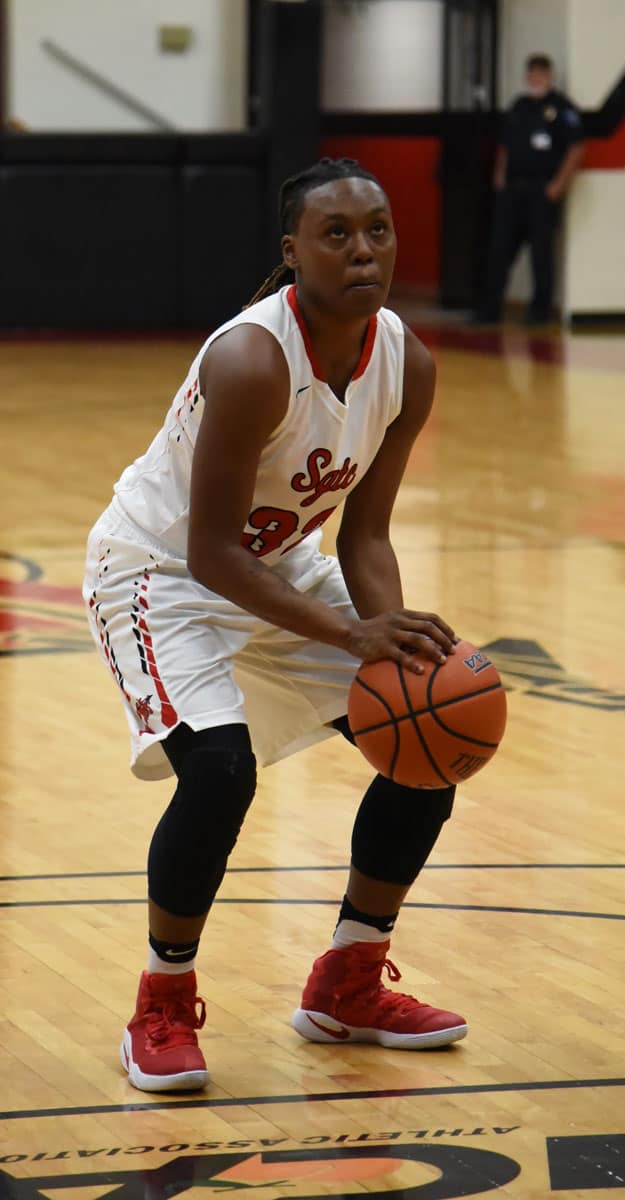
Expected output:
(401, 635)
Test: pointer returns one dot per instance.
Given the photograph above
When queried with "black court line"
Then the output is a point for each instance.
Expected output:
(470, 1089)
(343, 867)
(494, 908)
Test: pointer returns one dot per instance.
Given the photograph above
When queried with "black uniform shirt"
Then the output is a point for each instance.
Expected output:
(538, 133)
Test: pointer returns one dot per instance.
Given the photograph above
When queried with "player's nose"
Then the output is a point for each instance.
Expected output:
(361, 248)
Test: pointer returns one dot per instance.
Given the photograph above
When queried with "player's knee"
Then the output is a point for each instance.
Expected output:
(215, 789)
(190, 847)
(441, 800)
(397, 827)
(430, 808)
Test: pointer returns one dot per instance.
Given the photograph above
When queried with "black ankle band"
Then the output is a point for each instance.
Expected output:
(349, 913)
(175, 952)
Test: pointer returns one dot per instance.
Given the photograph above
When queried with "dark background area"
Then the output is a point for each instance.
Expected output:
(166, 230)
(157, 231)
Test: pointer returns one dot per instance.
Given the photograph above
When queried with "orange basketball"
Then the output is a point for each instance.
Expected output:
(429, 730)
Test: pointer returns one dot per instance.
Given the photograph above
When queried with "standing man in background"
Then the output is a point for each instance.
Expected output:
(540, 151)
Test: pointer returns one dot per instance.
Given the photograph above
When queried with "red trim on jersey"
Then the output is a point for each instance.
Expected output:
(294, 304)
(367, 349)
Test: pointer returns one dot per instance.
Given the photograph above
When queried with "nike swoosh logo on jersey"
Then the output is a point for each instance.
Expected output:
(340, 1034)
(302, 389)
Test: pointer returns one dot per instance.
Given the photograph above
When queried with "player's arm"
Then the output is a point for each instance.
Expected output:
(245, 384)
(244, 380)
(364, 547)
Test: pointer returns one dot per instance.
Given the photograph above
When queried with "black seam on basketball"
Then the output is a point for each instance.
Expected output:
(372, 692)
(383, 724)
(415, 723)
(458, 700)
(428, 694)
(492, 687)
(395, 751)
(464, 736)
(421, 712)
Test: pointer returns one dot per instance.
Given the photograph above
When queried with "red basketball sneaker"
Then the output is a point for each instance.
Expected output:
(345, 1001)
(159, 1050)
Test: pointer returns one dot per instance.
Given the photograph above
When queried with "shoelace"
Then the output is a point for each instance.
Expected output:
(171, 1021)
(400, 1002)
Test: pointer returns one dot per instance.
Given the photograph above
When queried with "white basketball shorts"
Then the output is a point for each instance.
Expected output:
(180, 653)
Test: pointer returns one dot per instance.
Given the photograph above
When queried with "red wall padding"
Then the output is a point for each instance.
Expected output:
(606, 154)
(407, 169)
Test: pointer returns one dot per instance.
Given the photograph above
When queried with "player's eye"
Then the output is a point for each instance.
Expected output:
(379, 227)
(336, 231)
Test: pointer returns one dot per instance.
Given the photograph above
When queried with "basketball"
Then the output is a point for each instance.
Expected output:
(429, 730)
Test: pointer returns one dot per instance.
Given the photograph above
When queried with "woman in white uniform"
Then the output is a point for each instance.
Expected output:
(233, 639)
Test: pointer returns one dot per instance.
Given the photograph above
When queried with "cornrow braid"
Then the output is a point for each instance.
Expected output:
(291, 203)
(279, 276)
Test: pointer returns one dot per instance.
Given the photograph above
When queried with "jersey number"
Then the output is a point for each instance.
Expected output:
(274, 526)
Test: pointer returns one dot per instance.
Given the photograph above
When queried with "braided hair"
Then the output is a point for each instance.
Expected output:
(291, 203)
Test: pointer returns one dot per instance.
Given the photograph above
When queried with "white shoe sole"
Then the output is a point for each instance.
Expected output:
(319, 1027)
(186, 1081)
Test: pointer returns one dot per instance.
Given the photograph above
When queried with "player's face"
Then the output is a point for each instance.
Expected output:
(344, 248)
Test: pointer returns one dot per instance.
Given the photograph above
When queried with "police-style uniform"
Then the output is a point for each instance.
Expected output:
(537, 134)
(181, 653)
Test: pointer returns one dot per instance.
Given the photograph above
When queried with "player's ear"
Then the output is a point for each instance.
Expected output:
(288, 252)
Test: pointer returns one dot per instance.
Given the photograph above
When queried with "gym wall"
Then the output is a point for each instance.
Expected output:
(153, 228)
(116, 229)
(594, 261)
(385, 58)
(200, 86)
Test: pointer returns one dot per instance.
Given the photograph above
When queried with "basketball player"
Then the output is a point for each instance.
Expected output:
(208, 559)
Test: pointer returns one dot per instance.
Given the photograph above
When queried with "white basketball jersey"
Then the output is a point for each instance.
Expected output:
(310, 463)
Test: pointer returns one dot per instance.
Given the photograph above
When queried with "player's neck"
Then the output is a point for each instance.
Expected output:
(338, 345)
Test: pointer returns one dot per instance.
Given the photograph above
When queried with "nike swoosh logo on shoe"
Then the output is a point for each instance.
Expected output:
(340, 1034)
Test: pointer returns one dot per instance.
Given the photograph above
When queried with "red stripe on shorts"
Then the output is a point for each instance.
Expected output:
(169, 716)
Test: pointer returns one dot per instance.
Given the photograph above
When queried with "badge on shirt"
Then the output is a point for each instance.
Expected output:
(550, 113)
(540, 140)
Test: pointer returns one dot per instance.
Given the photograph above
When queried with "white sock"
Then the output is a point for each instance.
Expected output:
(348, 932)
(167, 966)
